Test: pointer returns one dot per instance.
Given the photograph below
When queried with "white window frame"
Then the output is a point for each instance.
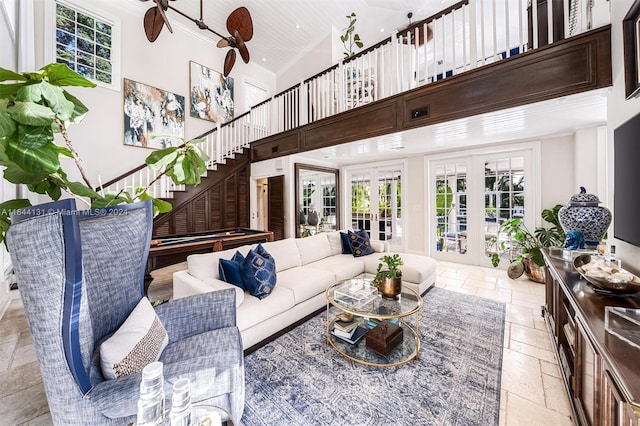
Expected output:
(50, 37)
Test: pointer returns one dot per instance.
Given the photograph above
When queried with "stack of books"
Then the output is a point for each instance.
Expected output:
(350, 332)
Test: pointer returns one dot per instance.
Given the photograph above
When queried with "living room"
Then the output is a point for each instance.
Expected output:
(564, 160)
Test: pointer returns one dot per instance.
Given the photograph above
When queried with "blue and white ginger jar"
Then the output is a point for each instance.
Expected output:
(585, 215)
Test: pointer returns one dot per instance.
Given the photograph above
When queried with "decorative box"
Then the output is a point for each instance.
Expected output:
(384, 338)
(355, 293)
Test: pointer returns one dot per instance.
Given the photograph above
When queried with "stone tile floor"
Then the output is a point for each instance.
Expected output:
(532, 391)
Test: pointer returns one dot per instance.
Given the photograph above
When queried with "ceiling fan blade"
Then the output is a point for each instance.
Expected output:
(242, 47)
(161, 9)
(153, 24)
(240, 20)
(223, 42)
(229, 60)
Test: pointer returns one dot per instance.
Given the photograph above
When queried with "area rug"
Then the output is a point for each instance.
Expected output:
(298, 379)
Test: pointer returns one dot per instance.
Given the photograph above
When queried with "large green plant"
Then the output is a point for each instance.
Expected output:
(33, 108)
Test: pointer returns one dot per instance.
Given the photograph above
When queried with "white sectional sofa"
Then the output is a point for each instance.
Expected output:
(305, 268)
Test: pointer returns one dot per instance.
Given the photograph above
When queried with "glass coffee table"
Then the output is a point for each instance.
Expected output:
(359, 298)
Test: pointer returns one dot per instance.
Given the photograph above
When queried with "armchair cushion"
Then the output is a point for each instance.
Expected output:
(139, 341)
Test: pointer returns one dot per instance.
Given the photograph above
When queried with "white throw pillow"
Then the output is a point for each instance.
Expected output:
(377, 246)
(139, 341)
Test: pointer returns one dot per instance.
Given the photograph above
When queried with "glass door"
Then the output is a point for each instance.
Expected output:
(470, 198)
(376, 203)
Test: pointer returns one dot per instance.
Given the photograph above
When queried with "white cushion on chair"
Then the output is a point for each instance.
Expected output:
(139, 341)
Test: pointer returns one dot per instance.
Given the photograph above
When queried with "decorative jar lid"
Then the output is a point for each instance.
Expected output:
(584, 199)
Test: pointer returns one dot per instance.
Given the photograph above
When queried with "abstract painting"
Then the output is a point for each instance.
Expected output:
(153, 118)
(211, 94)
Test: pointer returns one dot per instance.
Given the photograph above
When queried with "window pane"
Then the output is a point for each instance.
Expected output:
(81, 37)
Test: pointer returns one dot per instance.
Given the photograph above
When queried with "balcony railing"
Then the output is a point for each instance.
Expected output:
(465, 36)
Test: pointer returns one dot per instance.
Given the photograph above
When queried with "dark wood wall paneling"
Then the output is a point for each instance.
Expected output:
(578, 64)
(220, 201)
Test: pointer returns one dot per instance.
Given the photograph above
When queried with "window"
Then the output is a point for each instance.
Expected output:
(87, 43)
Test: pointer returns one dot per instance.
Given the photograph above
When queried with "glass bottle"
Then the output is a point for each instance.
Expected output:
(151, 401)
(180, 414)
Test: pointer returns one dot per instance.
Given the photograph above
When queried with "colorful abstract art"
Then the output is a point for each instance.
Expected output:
(211, 94)
(153, 118)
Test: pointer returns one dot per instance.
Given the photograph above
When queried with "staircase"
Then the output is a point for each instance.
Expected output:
(469, 35)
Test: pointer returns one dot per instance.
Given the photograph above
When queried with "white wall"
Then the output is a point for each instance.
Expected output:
(619, 110)
(8, 60)
(163, 64)
(557, 171)
(307, 64)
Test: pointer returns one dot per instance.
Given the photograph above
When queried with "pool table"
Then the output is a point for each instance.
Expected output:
(171, 249)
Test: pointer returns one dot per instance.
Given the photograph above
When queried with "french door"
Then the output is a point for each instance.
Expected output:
(375, 202)
(470, 196)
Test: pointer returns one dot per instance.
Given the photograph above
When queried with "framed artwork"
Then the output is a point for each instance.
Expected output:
(631, 39)
(153, 118)
(211, 94)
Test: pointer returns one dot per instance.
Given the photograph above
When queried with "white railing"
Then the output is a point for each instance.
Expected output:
(465, 36)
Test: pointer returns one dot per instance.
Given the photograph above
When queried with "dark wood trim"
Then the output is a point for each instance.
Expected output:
(578, 64)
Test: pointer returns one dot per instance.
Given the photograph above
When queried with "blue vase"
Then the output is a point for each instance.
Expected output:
(585, 215)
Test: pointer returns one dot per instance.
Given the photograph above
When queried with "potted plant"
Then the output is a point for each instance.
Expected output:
(526, 247)
(389, 280)
(33, 109)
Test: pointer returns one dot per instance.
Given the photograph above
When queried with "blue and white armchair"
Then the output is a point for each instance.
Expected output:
(80, 274)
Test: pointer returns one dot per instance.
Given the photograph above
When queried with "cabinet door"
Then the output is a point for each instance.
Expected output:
(615, 411)
(588, 373)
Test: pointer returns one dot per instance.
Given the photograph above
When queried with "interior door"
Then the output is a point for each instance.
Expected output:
(275, 209)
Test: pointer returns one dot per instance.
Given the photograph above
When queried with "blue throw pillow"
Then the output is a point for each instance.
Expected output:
(229, 270)
(346, 248)
(258, 272)
(359, 243)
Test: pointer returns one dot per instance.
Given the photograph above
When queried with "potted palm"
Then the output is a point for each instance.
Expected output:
(389, 279)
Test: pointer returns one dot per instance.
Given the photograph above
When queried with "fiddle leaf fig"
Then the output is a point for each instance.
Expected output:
(6, 75)
(42, 159)
(61, 75)
(7, 125)
(31, 113)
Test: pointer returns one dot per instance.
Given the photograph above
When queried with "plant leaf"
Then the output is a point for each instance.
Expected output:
(57, 101)
(8, 90)
(15, 174)
(157, 159)
(62, 75)
(38, 160)
(34, 137)
(29, 93)
(79, 111)
(82, 190)
(7, 125)
(31, 114)
(6, 74)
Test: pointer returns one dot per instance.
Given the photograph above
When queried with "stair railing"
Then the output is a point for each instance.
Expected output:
(464, 36)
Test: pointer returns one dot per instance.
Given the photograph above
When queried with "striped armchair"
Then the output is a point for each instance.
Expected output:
(80, 275)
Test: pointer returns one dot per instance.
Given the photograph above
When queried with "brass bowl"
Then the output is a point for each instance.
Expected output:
(605, 276)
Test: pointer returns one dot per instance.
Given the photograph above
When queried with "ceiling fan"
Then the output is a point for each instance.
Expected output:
(410, 38)
(239, 26)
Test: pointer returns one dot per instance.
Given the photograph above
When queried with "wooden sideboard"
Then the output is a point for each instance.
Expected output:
(601, 372)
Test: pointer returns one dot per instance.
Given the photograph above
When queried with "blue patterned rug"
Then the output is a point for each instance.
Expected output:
(298, 379)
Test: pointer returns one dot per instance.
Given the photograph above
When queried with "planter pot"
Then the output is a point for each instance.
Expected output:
(534, 271)
(390, 288)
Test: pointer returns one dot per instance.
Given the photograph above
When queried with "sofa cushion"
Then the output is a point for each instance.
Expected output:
(254, 311)
(258, 272)
(416, 268)
(335, 242)
(213, 284)
(205, 265)
(342, 265)
(344, 241)
(284, 252)
(306, 282)
(229, 270)
(139, 341)
(313, 248)
(359, 243)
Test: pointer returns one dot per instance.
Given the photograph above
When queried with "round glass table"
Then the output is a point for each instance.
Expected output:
(357, 297)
